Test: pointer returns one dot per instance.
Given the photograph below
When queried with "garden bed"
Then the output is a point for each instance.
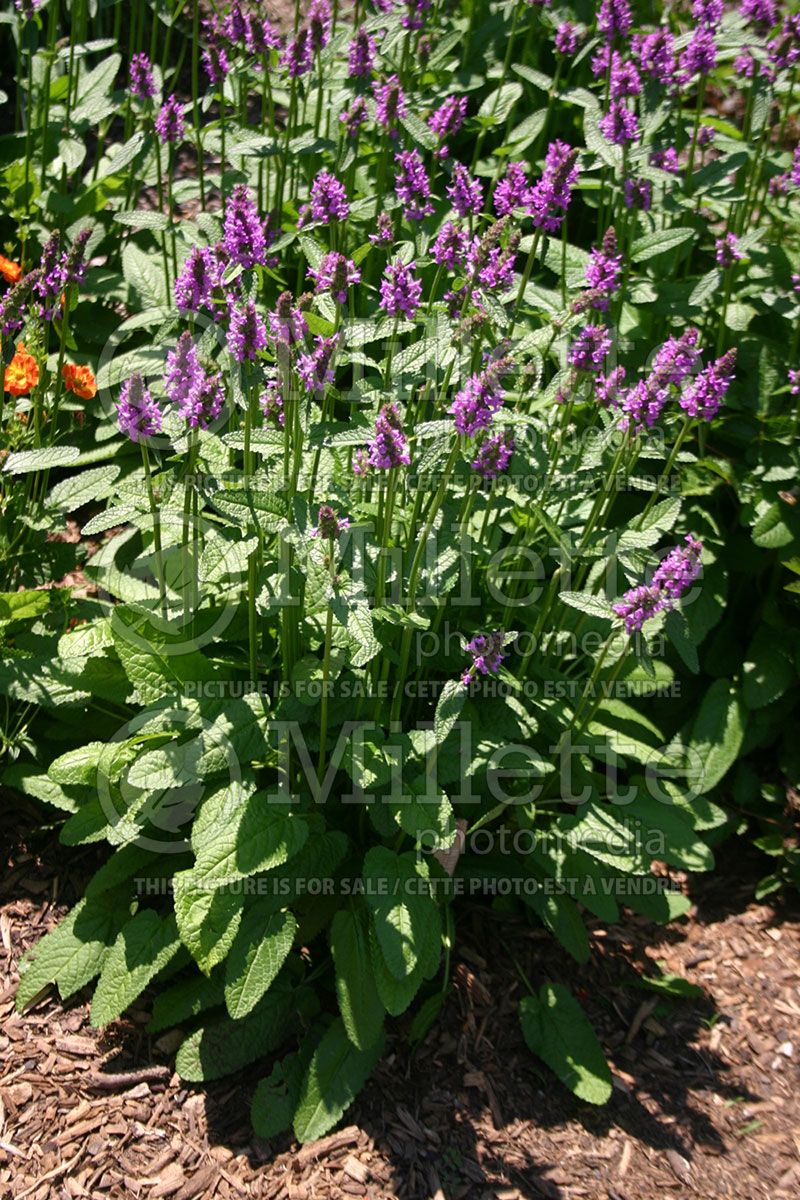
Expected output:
(705, 1099)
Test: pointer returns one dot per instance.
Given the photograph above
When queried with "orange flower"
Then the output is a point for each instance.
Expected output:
(11, 271)
(79, 380)
(22, 373)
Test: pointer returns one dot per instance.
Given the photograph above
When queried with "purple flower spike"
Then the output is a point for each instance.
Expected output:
(613, 18)
(328, 199)
(315, 368)
(244, 238)
(401, 291)
(671, 580)
(361, 57)
(197, 279)
(247, 333)
(329, 526)
(389, 446)
(142, 84)
(704, 396)
(390, 104)
(512, 190)
(335, 274)
(138, 413)
(481, 396)
(170, 125)
(589, 350)
(549, 198)
(354, 117)
(184, 372)
(638, 193)
(465, 193)
(447, 120)
(726, 250)
(412, 185)
(603, 271)
(486, 650)
(450, 246)
(298, 57)
(494, 455)
(566, 39)
(619, 125)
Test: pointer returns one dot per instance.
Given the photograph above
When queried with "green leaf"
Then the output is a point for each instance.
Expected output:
(143, 947)
(359, 1002)
(275, 1099)
(24, 605)
(258, 952)
(767, 670)
(208, 919)
(448, 709)
(74, 952)
(44, 459)
(556, 1029)
(235, 835)
(224, 1046)
(402, 910)
(336, 1074)
(499, 103)
(716, 737)
(144, 274)
(186, 999)
(595, 606)
(80, 489)
(677, 630)
(660, 242)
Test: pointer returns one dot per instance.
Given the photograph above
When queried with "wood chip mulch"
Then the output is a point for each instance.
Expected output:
(706, 1100)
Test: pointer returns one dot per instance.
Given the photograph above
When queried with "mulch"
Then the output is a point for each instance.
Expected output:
(706, 1100)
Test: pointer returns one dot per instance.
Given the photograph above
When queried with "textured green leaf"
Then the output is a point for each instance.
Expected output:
(359, 1002)
(208, 919)
(74, 952)
(223, 1046)
(259, 950)
(336, 1074)
(717, 735)
(143, 946)
(556, 1029)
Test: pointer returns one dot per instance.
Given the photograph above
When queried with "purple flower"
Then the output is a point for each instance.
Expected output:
(247, 333)
(329, 526)
(298, 57)
(74, 261)
(51, 277)
(512, 190)
(481, 396)
(361, 461)
(760, 12)
(744, 64)
(328, 199)
(794, 382)
(494, 455)
(315, 368)
(335, 274)
(389, 446)
(14, 304)
(271, 404)
(727, 250)
(390, 104)
(671, 580)
(361, 57)
(450, 246)
(700, 56)
(142, 84)
(384, 232)
(244, 231)
(412, 185)
(447, 120)
(656, 55)
(589, 350)
(414, 9)
(637, 193)
(233, 25)
(624, 78)
(708, 12)
(486, 650)
(215, 61)
(666, 160)
(794, 174)
(354, 117)
(619, 125)
(170, 125)
(549, 198)
(319, 24)
(705, 394)
(204, 404)
(675, 360)
(603, 271)
(184, 373)
(138, 413)
(608, 388)
(784, 50)
(614, 17)
(259, 35)
(197, 279)
(566, 39)
(401, 291)
(705, 136)
(465, 193)
(678, 571)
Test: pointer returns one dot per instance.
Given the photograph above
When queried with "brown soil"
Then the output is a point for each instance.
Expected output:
(706, 1100)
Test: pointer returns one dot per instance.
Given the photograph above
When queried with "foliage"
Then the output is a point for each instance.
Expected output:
(401, 590)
